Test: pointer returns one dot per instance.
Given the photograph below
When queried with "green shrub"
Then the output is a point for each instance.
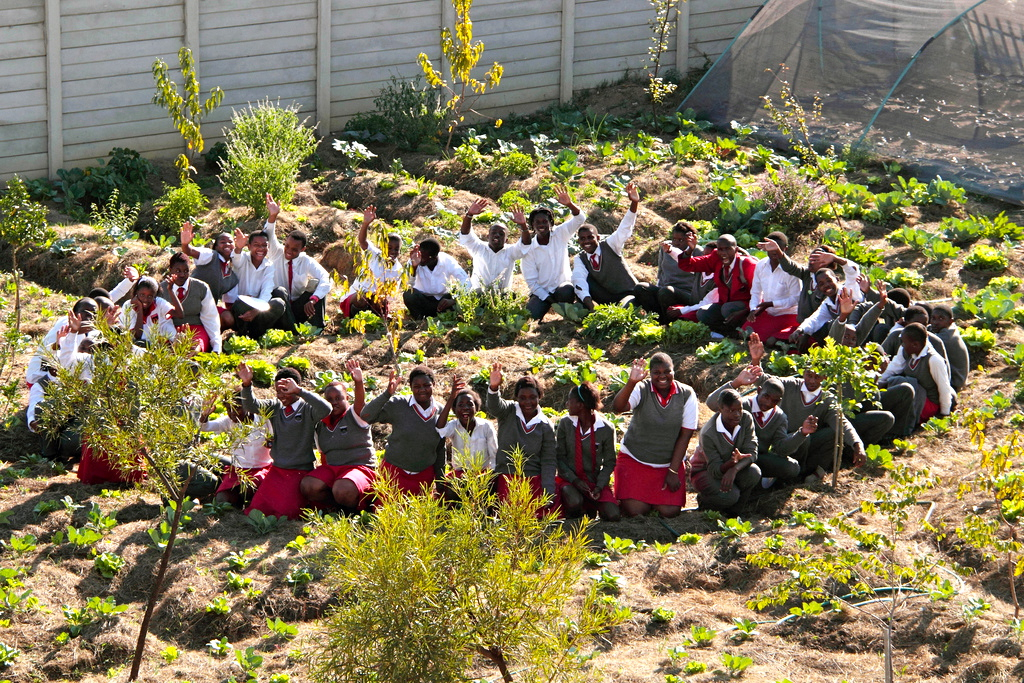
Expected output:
(685, 332)
(262, 373)
(126, 172)
(406, 113)
(904, 277)
(114, 219)
(790, 201)
(984, 257)
(266, 147)
(515, 164)
(274, 338)
(613, 322)
(512, 199)
(180, 204)
(978, 339)
(299, 363)
(241, 345)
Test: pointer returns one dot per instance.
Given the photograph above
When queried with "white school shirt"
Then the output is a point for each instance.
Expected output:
(720, 426)
(614, 241)
(383, 271)
(937, 366)
(208, 315)
(253, 281)
(777, 286)
(690, 418)
(492, 268)
(253, 452)
(34, 372)
(205, 256)
(829, 309)
(546, 266)
(304, 269)
(158, 323)
(436, 282)
(471, 451)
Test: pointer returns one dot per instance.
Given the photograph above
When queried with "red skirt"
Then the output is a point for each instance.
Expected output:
(199, 336)
(362, 476)
(231, 480)
(94, 468)
(637, 481)
(279, 494)
(929, 411)
(420, 482)
(778, 326)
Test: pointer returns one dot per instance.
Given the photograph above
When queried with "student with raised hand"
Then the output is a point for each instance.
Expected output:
(585, 450)
(414, 454)
(493, 260)
(723, 469)
(250, 461)
(546, 266)
(195, 309)
(305, 282)
(919, 364)
(434, 272)
(942, 325)
(362, 295)
(294, 415)
(599, 273)
(148, 317)
(522, 425)
(677, 287)
(733, 275)
(648, 470)
(775, 443)
(213, 266)
(474, 441)
(259, 305)
(346, 475)
(774, 295)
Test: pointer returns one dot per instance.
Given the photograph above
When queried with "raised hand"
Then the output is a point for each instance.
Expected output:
(112, 315)
(273, 208)
(666, 247)
(369, 214)
(241, 241)
(747, 376)
(353, 368)
(519, 216)
(244, 373)
(864, 282)
(632, 192)
(392, 382)
(883, 295)
(186, 234)
(638, 371)
(845, 301)
(477, 207)
(770, 247)
(691, 240)
(562, 195)
(415, 257)
(756, 348)
(288, 386)
(458, 384)
(130, 273)
(74, 322)
(495, 378)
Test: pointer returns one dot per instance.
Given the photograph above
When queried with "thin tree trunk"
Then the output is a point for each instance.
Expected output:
(1013, 587)
(837, 455)
(17, 291)
(495, 655)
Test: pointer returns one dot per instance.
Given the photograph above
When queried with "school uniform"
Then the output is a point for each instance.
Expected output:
(647, 448)
(199, 314)
(810, 299)
(535, 437)
(381, 269)
(257, 282)
(780, 288)
(250, 460)
(733, 284)
(430, 286)
(303, 279)
(346, 448)
(156, 323)
(677, 287)
(928, 374)
(414, 454)
(717, 444)
(473, 452)
(605, 278)
(587, 454)
(492, 269)
(957, 355)
(292, 453)
(546, 268)
(217, 273)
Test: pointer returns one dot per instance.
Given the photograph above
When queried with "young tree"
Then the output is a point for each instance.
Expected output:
(22, 222)
(139, 410)
(186, 110)
(428, 585)
(661, 27)
(463, 55)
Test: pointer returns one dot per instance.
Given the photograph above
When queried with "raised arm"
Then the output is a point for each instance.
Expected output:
(637, 373)
(475, 209)
(358, 387)
(369, 216)
(186, 240)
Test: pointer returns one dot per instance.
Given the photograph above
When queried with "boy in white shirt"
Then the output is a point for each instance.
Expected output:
(546, 265)
(303, 279)
(433, 273)
(493, 260)
(363, 294)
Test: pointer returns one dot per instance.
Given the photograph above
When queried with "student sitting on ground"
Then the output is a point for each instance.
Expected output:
(434, 272)
(414, 454)
(546, 265)
(213, 266)
(474, 441)
(258, 305)
(677, 287)
(363, 294)
(250, 461)
(599, 273)
(647, 469)
(956, 350)
(493, 260)
(920, 365)
(305, 282)
(815, 328)
(294, 415)
(775, 443)
(148, 317)
(585, 450)
(822, 256)
(912, 314)
(522, 425)
(733, 275)
(722, 468)
(774, 296)
(197, 311)
(346, 474)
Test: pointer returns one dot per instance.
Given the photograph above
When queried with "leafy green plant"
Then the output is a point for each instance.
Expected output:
(218, 605)
(108, 564)
(689, 539)
(904, 277)
(986, 258)
(662, 615)
(608, 583)
(939, 250)
(169, 654)
(716, 352)
(263, 524)
(405, 112)
(515, 164)
(974, 608)
(262, 372)
(281, 629)
(701, 636)
(298, 576)
(20, 545)
(303, 365)
(745, 629)
(619, 546)
(564, 166)
(237, 582)
(274, 338)
(732, 528)
(8, 655)
(179, 204)
(84, 537)
(219, 647)
(989, 306)
(735, 665)
(267, 145)
(186, 109)
(22, 223)
(239, 344)
(693, 668)
(353, 153)
(249, 660)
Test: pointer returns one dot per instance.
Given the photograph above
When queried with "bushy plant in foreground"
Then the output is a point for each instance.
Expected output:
(428, 586)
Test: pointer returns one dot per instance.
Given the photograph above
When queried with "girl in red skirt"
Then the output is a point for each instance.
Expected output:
(585, 448)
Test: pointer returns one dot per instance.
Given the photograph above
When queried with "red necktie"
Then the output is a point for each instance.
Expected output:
(225, 268)
(181, 293)
(288, 410)
(289, 279)
(595, 260)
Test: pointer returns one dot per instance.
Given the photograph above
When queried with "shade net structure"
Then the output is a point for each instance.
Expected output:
(936, 84)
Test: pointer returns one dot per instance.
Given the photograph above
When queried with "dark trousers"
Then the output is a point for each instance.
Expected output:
(675, 296)
(710, 495)
(295, 313)
(258, 326)
(421, 305)
(872, 425)
(905, 400)
(778, 466)
(537, 307)
(714, 316)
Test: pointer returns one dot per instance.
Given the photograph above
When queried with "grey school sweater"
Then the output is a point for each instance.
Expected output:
(565, 452)
(717, 448)
(957, 355)
(348, 444)
(654, 429)
(293, 434)
(538, 444)
(773, 435)
(414, 444)
(822, 407)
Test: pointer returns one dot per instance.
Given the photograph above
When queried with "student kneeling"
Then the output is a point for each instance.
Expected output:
(723, 469)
